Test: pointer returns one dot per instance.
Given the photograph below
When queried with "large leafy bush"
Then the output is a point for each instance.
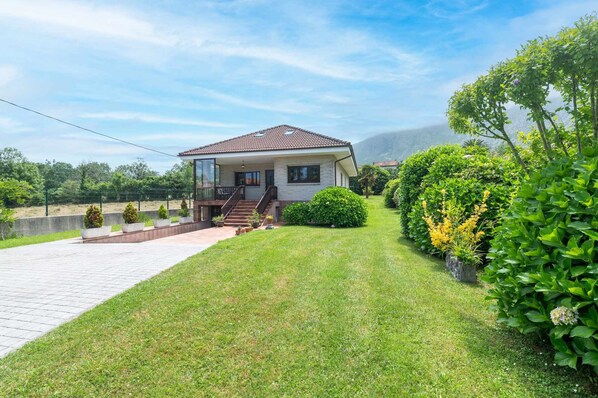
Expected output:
(464, 175)
(464, 194)
(297, 213)
(412, 174)
(338, 206)
(545, 260)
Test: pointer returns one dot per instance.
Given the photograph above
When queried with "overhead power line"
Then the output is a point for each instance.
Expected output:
(85, 128)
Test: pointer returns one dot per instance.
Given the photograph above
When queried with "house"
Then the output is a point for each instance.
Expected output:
(387, 164)
(265, 170)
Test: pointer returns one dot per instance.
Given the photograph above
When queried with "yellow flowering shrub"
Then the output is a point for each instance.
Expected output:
(451, 234)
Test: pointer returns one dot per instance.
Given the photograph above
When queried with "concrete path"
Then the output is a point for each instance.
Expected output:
(45, 285)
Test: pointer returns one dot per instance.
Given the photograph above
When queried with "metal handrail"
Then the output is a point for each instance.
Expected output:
(271, 193)
(233, 200)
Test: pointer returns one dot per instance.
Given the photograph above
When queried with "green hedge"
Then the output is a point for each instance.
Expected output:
(545, 260)
(338, 206)
(389, 193)
(465, 193)
(412, 174)
(297, 213)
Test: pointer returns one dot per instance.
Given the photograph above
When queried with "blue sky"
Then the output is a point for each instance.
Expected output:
(174, 75)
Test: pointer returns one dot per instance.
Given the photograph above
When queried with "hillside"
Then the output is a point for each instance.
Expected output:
(401, 144)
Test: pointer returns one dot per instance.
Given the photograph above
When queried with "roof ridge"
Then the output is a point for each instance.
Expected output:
(318, 134)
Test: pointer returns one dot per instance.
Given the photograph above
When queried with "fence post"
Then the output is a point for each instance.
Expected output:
(100, 200)
(138, 200)
(167, 201)
(46, 201)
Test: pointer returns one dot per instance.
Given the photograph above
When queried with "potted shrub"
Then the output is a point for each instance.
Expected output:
(269, 222)
(185, 214)
(163, 218)
(94, 224)
(457, 237)
(131, 218)
(239, 231)
(218, 220)
(254, 219)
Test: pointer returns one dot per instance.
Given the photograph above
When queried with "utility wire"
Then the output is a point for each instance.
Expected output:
(86, 129)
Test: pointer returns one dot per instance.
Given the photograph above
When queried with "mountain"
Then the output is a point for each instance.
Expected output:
(401, 144)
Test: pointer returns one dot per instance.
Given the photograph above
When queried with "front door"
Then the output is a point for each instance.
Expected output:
(269, 178)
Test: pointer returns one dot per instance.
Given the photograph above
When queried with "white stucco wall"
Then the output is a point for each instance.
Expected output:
(286, 191)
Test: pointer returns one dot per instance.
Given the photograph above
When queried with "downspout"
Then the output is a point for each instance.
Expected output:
(335, 162)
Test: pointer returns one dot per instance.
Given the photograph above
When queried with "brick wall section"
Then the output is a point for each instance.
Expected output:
(302, 192)
(150, 234)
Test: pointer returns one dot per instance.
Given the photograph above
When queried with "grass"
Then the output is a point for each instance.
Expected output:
(31, 240)
(297, 311)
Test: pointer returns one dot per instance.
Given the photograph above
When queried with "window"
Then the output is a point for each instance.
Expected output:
(247, 178)
(303, 174)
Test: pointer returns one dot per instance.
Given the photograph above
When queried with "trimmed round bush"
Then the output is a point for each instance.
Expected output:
(93, 217)
(545, 260)
(130, 214)
(338, 206)
(297, 213)
(389, 193)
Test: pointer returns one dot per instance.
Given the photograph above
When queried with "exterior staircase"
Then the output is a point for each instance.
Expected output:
(238, 216)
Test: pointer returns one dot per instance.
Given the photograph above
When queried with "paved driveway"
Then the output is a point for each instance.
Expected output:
(45, 285)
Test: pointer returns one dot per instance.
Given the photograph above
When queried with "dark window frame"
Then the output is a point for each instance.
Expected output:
(255, 178)
(311, 177)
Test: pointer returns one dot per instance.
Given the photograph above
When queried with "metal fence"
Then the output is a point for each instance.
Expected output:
(52, 204)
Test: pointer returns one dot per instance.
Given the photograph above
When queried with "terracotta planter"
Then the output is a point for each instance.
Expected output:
(88, 233)
(239, 232)
(161, 223)
(248, 229)
(135, 227)
(461, 271)
(185, 220)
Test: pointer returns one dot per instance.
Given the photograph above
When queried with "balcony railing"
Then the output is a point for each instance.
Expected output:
(217, 193)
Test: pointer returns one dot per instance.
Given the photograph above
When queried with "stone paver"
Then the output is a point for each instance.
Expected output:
(45, 285)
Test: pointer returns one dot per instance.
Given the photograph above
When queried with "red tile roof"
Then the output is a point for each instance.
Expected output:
(387, 163)
(272, 139)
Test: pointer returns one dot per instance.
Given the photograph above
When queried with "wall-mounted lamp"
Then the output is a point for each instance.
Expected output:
(242, 164)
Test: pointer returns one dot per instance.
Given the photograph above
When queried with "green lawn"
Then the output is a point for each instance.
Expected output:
(30, 240)
(297, 311)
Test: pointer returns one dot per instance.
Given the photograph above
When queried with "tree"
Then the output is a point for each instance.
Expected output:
(14, 192)
(13, 165)
(55, 173)
(7, 221)
(478, 109)
(138, 170)
(117, 182)
(368, 178)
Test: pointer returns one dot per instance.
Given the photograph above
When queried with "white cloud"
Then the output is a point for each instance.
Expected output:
(281, 106)
(103, 21)
(449, 9)
(148, 118)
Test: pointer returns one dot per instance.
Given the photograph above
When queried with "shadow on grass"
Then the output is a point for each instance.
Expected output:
(533, 355)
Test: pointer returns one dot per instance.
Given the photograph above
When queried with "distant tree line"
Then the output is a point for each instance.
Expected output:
(23, 182)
